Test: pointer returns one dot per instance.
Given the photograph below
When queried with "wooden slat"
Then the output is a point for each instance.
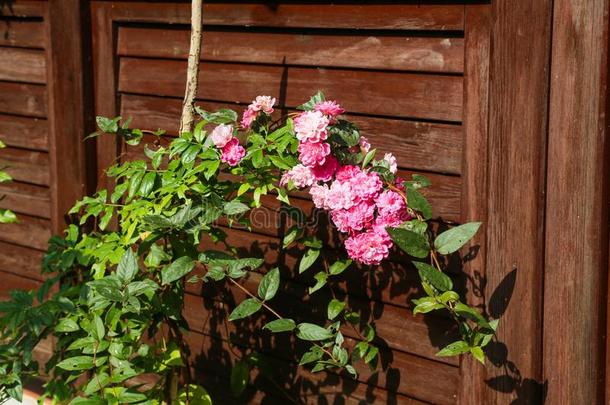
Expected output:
(26, 166)
(20, 260)
(23, 132)
(15, 282)
(336, 16)
(22, 65)
(26, 198)
(430, 54)
(382, 93)
(416, 145)
(23, 99)
(519, 83)
(22, 8)
(576, 249)
(24, 34)
(29, 231)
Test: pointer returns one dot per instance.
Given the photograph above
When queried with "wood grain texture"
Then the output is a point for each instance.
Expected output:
(416, 145)
(23, 261)
(22, 8)
(23, 34)
(15, 282)
(29, 232)
(474, 180)
(26, 198)
(27, 166)
(576, 260)
(365, 15)
(22, 65)
(24, 132)
(518, 96)
(381, 93)
(429, 54)
(23, 99)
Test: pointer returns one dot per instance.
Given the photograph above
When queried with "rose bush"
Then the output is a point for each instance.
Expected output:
(113, 298)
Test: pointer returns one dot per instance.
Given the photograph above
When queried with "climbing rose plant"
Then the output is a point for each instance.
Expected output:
(113, 298)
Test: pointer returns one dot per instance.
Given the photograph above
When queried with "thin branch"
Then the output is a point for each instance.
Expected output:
(188, 109)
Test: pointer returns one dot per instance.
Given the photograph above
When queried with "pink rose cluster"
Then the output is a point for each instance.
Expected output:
(261, 103)
(223, 139)
(358, 204)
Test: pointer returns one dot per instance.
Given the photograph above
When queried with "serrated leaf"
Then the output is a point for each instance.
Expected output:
(435, 277)
(280, 325)
(413, 243)
(246, 308)
(311, 332)
(176, 270)
(453, 239)
(308, 259)
(269, 284)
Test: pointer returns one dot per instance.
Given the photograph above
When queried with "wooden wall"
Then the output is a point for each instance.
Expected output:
(458, 91)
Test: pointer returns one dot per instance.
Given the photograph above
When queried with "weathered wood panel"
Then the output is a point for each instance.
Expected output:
(22, 8)
(576, 258)
(24, 132)
(402, 52)
(20, 260)
(23, 99)
(29, 232)
(22, 65)
(381, 93)
(26, 166)
(15, 282)
(26, 198)
(23, 34)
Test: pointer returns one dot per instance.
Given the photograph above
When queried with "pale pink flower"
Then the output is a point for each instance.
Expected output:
(356, 218)
(390, 203)
(388, 157)
(310, 126)
(346, 172)
(221, 135)
(263, 103)
(329, 108)
(248, 118)
(340, 196)
(325, 171)
(232, 152)
(366, 185)
(365, 146)
(368, 247)
(319, 194)
(313, 153)
(300, 175)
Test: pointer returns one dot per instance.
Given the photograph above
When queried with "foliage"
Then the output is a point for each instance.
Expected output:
(6, 215)
(113, 298)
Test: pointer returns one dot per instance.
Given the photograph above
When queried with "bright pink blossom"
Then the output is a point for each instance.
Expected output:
(313, 153)
(356, 218)
(366, 185)
(368, 247)
(329, 108)
(300, 175)
(310, 126)
(232, 152)
(346, 172)
(319, 195)
(340, 196)
(325, 171)
(390, 203)
(365, 146)
(388, 157)
(221, 135)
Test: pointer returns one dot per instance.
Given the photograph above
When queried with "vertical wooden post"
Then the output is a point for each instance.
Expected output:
(518, 94)
(69, 105)
(577, 204)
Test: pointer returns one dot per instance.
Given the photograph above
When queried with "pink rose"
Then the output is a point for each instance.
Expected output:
(346, 172)
(232, 152)
(300, 175)
(329, 108)
(221, 135)
(356, 218)
(390, 203)
(319, 195)
(263, 103)
(365, 146)
(340, 196)
(388, 157)
(310, 126)
(368, 247)
(366, 185)
(325, 171)
(248, 118)
(313, 153)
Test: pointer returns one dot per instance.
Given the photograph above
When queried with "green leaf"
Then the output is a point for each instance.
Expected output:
(449, 296)
(478, 354)
(321, 278)
(176, 270)
(311, 332)
(452, 240)
(308, 259)
(97, 328)
(128, 266)
(244, 188)
(291, 236)
(240, 375)
(339, 266)
(371, 355)
(315, 99)
(88, 401)
(235, 207)
(314, 354)
(76, 363)
(148, 183)
(7, 216)
(2, 145)
(437, 278)
(280, 325)
(426, 306)
(493, 324)
(334, 308)
(269, 284)
(194, 395)
(413, 243)
(246, 308)
(368, 157)
(96, 383)
(4, 177)
(419, 203)
(454, 349)
(471, 313)
(67, 325)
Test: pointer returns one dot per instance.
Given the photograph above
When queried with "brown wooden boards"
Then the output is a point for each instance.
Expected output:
(22, 65)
